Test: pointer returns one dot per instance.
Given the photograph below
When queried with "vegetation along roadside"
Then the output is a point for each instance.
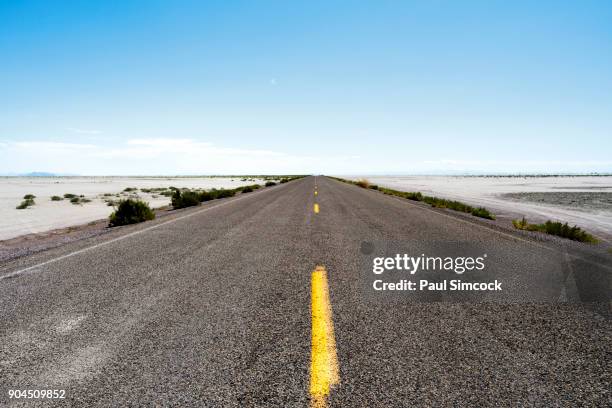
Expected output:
(559, 229)
(417, 196)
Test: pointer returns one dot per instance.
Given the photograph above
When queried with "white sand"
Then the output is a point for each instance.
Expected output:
(46, 215)
(487, 192)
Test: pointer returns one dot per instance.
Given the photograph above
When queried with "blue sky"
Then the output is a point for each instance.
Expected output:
(177, 87)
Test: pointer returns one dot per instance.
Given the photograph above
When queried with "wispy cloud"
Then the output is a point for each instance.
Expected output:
(155, 156)
(192, 154)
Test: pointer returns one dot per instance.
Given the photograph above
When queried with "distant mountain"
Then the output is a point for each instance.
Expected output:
(37, 174)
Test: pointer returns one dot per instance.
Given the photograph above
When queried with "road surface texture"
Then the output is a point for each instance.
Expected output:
(212, 307)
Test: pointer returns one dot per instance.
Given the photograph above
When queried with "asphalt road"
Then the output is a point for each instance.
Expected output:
(212, 307)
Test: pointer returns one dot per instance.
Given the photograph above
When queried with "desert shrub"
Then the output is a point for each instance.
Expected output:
(56, 198)
(223, 193)
(246, 189)
(289, 178)
(363, 183)
(564, 230)
(558, 229)
(25, 204)
(456, 206)
(482, 213)
(414, 196)
(207, 195)
(130, 212)
(215, 194)
(186, 198)
(521, 224)
(79, 200)
(68, 195)
(270, 183)
(250, 186)
(129, 189)
(29, 197)
(374, 187)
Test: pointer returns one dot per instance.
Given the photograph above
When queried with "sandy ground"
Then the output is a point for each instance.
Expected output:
(504, 196)
(46, 215)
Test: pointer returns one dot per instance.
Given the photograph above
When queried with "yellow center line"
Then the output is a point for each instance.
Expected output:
(324, 373)
(316, 208)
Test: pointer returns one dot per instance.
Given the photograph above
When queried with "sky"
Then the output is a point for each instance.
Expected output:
(341, 87)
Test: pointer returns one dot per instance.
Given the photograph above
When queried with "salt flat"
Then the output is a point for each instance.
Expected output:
(46, 215)
(491, 192)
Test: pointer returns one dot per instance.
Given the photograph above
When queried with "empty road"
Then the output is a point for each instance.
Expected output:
(263, 300)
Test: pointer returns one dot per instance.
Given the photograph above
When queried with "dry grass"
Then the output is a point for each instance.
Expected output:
(363, 183)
